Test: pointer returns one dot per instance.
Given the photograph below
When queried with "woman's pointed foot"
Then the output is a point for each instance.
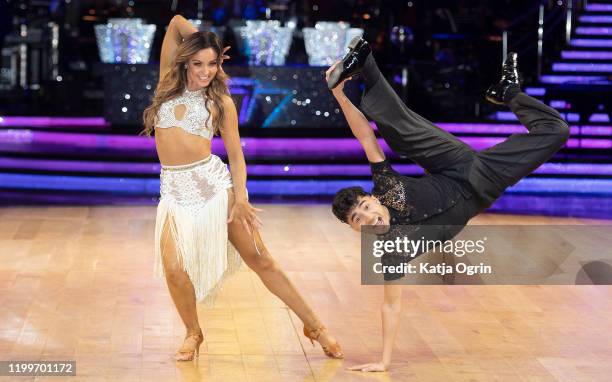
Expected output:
(330, 346)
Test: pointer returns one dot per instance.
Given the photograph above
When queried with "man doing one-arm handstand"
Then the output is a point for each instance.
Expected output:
(460, 182)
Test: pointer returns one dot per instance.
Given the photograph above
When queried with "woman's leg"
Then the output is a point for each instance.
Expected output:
(261, 262)
(180, 287)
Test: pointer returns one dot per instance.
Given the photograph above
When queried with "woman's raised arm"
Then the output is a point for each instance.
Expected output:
(178, 29)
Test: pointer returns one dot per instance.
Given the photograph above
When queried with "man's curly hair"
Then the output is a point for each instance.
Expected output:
(345, 200)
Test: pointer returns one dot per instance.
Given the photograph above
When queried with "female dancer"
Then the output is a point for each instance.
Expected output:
(191, 103)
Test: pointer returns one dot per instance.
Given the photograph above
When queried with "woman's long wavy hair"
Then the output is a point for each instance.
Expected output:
(174, 83)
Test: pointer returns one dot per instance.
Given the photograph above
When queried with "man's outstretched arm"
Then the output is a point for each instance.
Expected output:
(359, 125)
(390, 311)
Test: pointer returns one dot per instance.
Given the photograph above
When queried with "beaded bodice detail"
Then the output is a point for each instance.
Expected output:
(195, 119)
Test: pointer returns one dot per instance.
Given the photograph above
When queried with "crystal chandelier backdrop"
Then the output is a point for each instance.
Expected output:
(125, 41)
(327, 42)
(264, 42)
(268, 42)
(268, 93)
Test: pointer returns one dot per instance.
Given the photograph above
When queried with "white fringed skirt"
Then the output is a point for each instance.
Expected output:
(194, 203)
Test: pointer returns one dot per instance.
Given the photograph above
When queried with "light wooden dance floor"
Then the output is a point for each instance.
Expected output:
(76, 283)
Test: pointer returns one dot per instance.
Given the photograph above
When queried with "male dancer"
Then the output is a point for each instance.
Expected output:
(460, 183)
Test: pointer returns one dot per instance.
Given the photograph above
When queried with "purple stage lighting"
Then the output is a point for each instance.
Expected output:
(599, 117)
(509, 116)
(44, 143)
(595, 19)
(150, 186)
(535, 91)
(571, 117)
(98, 167)
(596, 130)
(282, 170)
(585, 55)
(482, 128)
(596, 31)
(587, 143)
(595, 43)
(599, 7)
(581, 67)
(53, 122)
(559, 104)
(574, 169)
(561, 79)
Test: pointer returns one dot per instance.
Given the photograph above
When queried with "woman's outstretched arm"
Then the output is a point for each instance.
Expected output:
(178, 29)
(242, 209)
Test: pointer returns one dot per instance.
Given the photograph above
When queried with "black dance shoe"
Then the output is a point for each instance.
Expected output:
(495, 93)
(351, 64)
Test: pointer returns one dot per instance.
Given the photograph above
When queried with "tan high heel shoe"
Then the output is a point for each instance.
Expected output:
(188, 351)
(333, 351)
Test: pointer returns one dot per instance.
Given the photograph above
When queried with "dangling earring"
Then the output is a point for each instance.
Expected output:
(185, 66)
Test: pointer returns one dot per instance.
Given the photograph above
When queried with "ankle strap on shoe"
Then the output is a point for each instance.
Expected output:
(194, 334)
(316, 333)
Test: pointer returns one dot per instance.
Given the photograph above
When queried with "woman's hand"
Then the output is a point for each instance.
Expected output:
(223, 58)
(244, 212)
(223, 55)
(370, 367)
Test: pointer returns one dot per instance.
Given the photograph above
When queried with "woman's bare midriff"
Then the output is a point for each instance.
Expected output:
(176, 147)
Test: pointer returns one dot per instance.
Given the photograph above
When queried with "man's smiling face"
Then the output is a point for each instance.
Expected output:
(368, 211)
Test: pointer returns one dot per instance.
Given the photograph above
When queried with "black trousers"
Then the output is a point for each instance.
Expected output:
(488, 172)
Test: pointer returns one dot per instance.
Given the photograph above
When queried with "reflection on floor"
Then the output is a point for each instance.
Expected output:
(76, 283)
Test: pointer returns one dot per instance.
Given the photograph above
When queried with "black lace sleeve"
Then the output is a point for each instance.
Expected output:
(388, 187)
(382, 168)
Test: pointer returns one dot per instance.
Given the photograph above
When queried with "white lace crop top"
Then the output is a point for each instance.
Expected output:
(194, 118)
